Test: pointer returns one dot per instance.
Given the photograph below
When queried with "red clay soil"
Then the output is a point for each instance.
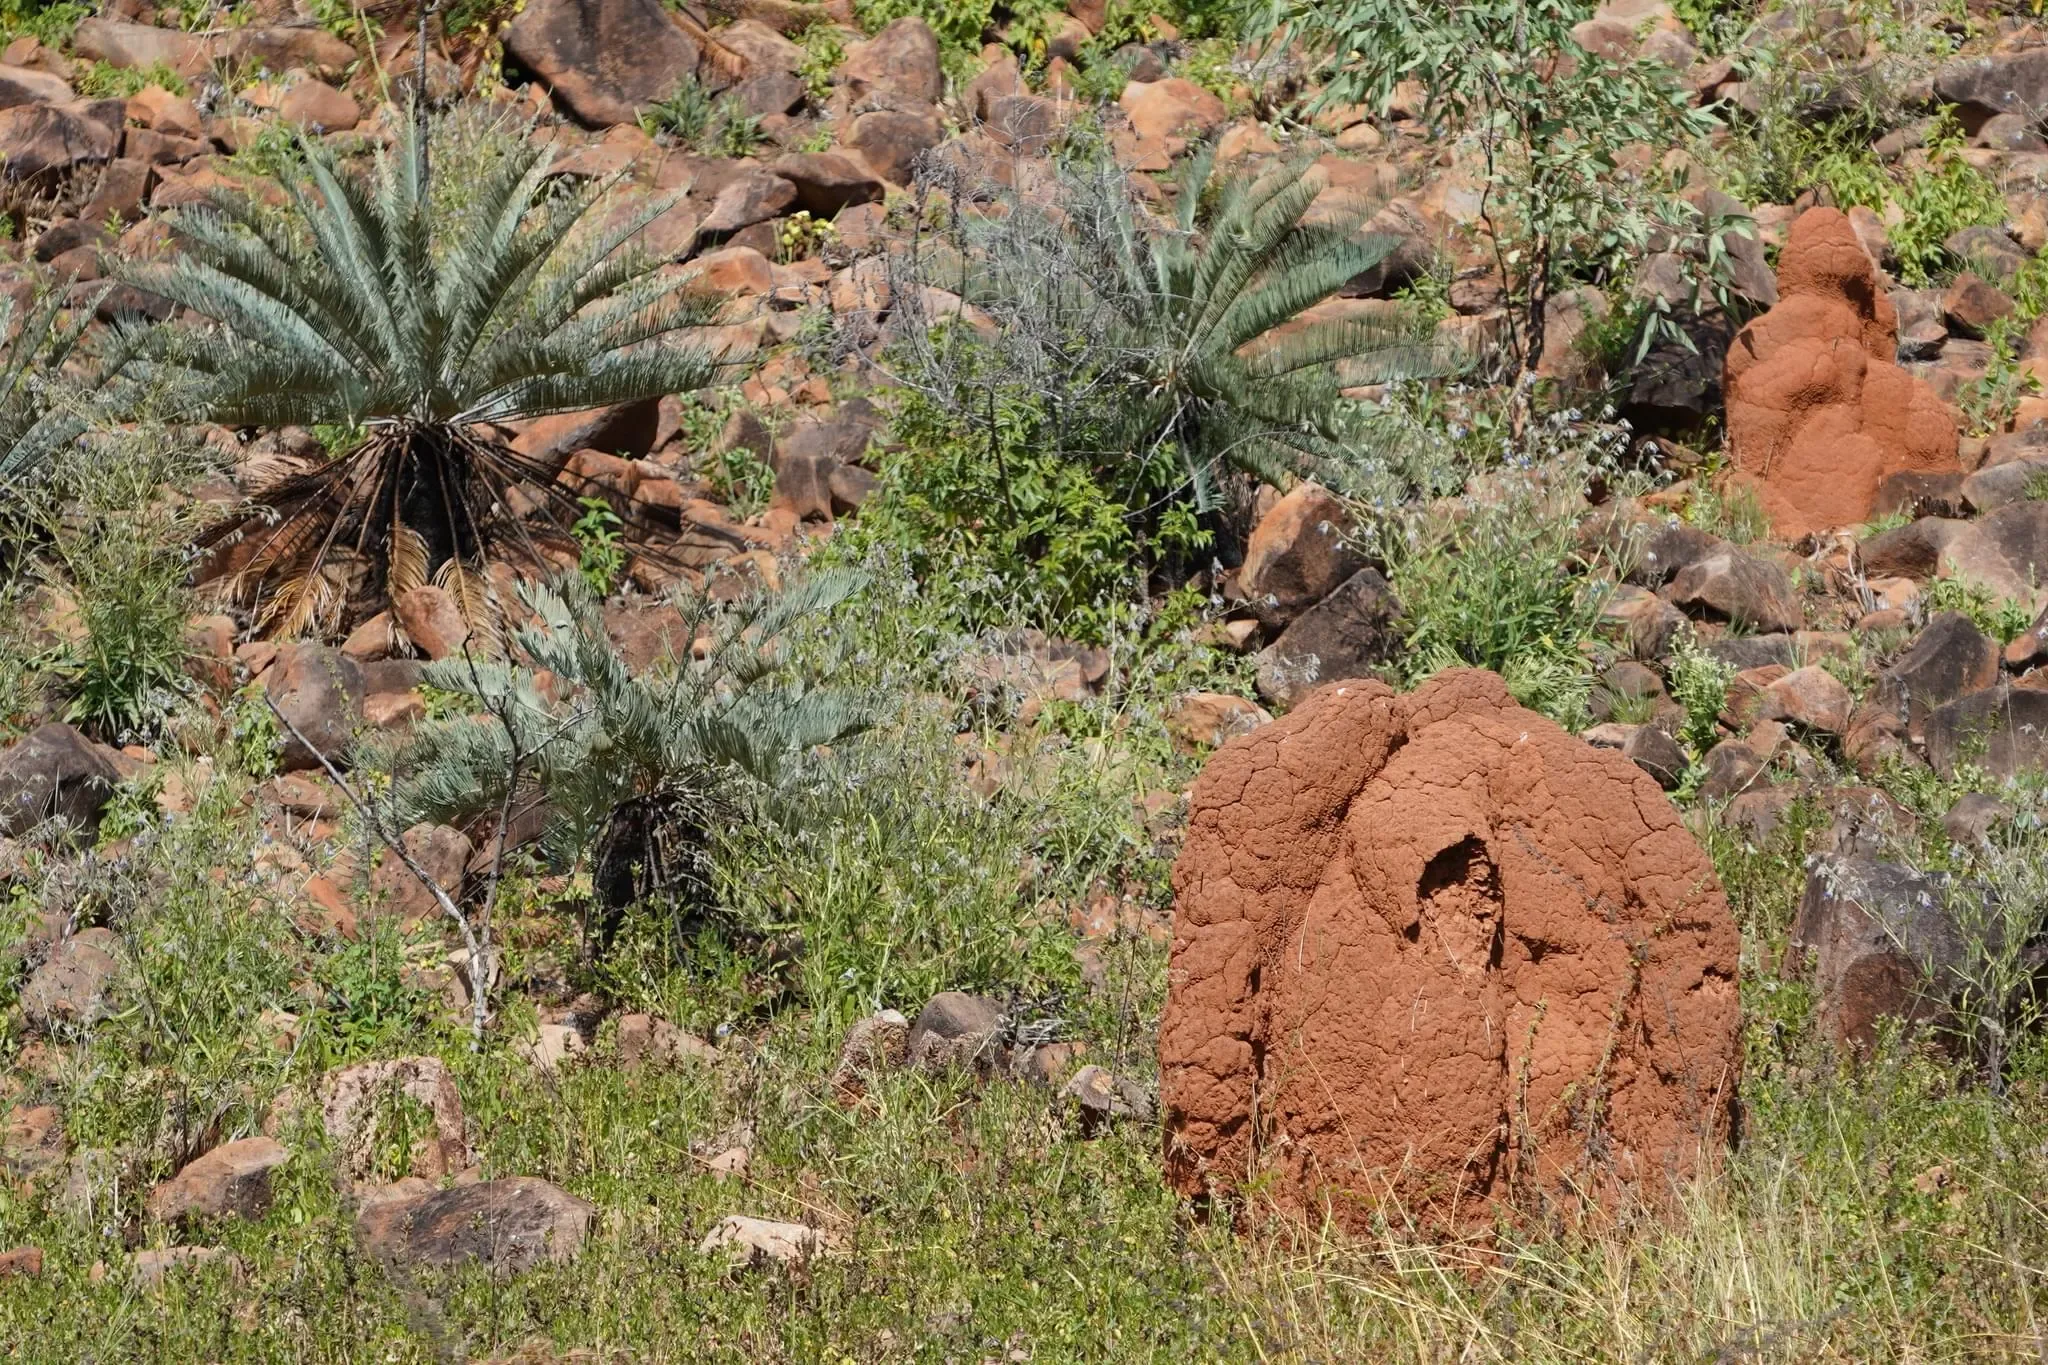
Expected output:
(1434, 947)
(1819, 412)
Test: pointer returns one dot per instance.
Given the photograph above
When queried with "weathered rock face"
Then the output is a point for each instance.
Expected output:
(604, 59)
(1298, 553)
(69, 991)
(233, 1178)
(55, 773)
(1883, 942)
(1431, 946)
(320, 692)
(1819, 412)
(507, 1225)
(39, 138)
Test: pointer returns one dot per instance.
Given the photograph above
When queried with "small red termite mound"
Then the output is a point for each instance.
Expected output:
(1819, 412)
(1433, 948)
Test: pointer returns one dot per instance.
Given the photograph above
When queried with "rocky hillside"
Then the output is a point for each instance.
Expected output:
(1002, 681)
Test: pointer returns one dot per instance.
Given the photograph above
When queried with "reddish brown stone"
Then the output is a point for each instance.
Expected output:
(1435, 948)
(233, 1178)
(1298, 553)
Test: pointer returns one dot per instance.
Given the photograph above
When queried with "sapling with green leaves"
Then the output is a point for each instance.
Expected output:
(1555, 126)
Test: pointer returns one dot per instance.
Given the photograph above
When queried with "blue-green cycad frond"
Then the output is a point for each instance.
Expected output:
(730, 710)
(50, 387)
(1200, 319)
(364, 305)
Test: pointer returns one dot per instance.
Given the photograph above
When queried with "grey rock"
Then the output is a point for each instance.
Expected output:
(1882, 941)
(605, 60)
(1653, 750)
(319, 691)
(956, 1029)
(54, 773)
(1732, 767)
(2002, 729)
(1737, 588)
(1974, 815)
(1346, 635)
(2002, 83)
(1102, 1097)
(70, 990)
(1949, 658)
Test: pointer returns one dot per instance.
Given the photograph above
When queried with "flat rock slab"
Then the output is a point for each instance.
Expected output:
(510, 1225)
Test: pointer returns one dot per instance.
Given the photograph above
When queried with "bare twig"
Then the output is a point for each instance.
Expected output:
(479, 965)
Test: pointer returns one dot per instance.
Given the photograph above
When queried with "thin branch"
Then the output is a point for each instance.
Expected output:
(479, 970)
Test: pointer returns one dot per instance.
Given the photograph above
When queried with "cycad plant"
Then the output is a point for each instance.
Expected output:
(367, 306)
(635, 770)
(48, 386)
(1183, 342)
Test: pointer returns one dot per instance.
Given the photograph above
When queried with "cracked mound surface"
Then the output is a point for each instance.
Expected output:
(1431, 945)
(1819, 411)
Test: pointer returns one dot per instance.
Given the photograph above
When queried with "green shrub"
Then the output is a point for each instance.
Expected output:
(715, 125)
(1940, 201)
(102, 81)
(1699, 683)
(998, 526)
(1989, 402)
(48, 21)
(2002, 618)
(960, 24)
(1559, 132)
(1500, 581)
(52, 386)
(348, 20)
(120, 550)
(1730, 511)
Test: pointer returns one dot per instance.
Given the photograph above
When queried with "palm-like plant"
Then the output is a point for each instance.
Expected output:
(48, 385)
(1189, 341)
(367, 307)
(639, 766)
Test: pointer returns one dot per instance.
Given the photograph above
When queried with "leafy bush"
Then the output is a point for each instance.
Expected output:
(961, 24)
(102, 81)
(127, 671)
(997, 526)
(1499, 580)
(367, 304)
(715, 125)
(349, 21)
(1699, 683)
(48, 21)
(2002, 618)
(1554, 134)
(1934, 202)
(1940, 201)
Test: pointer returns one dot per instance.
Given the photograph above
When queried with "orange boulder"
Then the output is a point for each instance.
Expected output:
(1432, 947)
(1819, 412)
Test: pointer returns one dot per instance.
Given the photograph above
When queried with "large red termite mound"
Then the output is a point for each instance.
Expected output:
(1434, 948)
(1819, 411)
